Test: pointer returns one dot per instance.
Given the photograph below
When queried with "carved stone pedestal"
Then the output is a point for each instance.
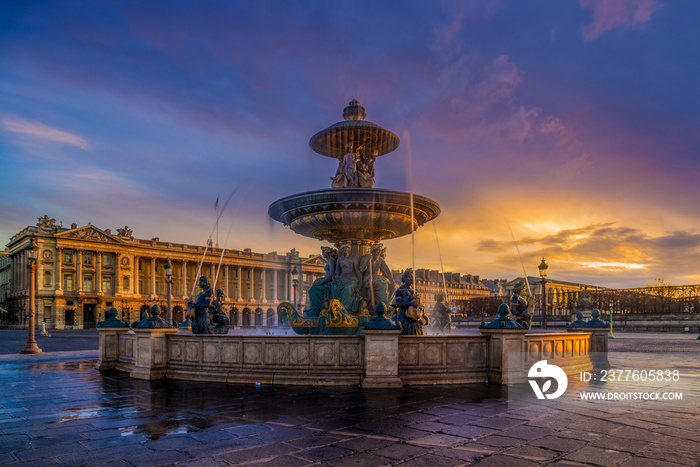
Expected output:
(381, 359)
(501, 343)
(109, 347)
(151, 352)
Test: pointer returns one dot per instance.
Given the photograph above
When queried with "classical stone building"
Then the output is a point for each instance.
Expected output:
(82, 271)
(430, 284)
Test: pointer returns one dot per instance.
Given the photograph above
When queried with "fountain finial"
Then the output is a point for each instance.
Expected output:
(354, 111)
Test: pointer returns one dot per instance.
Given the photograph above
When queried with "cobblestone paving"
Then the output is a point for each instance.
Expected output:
(56, 409)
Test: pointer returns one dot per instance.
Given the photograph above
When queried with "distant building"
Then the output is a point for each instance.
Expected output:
(496, 286)
(82, 271)
(459, 288)
(562, 296)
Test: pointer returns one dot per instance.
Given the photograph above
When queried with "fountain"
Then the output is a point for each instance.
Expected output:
(331, 347)
(355, 217)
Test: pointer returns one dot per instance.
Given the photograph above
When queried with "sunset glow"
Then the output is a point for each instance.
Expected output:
(574, 123)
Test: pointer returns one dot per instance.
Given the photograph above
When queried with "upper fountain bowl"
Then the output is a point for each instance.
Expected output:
(340, 215)
(354, 131)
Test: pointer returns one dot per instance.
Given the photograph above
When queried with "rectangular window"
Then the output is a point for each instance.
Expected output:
(87, 259)
(69, 318)
(125, 283)
(68, 257)
(68, 282)
(107, 260)
(107, 284)
(140, 286)
(87, 283)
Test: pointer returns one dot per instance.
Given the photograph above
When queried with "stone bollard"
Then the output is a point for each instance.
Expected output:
(381, 359)
(109, 347)
(109, 330)
(503, 341)
(599, 329)
(151, 352)
(151, 346)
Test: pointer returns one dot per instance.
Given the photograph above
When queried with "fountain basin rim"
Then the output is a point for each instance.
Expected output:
(279, 209)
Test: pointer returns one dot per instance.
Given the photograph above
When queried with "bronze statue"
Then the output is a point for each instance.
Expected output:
(521, 308)
(321, 288)
(410, 313)
(346, 175)
(346, 281)
(200, 323)
(377, 282)
(442, 317)
(220, 322)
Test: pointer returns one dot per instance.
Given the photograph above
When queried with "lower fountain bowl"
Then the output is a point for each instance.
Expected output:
(344, 214)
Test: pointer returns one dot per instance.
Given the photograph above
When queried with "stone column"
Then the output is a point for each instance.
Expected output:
(239, 297)
(59, 262)
(226, 282)
(501, 343)
(135, 277)
(117, 274)
(381, 359)
(79, 271)
(153, 277)
(212, 273)
(252, 286)
(185, 293)
(287, 280)
(263, 277)
(98, 271)
(274, 289)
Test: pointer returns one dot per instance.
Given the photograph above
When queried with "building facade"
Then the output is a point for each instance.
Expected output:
(456, 288)
(83, 271)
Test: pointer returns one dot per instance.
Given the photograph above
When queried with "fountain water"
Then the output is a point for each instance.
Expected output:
(355, 217)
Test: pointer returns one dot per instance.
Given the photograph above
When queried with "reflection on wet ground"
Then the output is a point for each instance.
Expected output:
(57, 409)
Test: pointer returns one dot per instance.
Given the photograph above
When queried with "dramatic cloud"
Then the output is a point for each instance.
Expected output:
(611, 14)
(39, 131)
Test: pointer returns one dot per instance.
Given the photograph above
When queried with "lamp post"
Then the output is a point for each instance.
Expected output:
(30, 347)
(168, 281)
(610, 335)
(543, 275)
(295, 283)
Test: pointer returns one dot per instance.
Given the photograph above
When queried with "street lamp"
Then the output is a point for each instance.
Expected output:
(30, 347)
(610, 334)
(168, 281)
(543, 275)
(295, 283)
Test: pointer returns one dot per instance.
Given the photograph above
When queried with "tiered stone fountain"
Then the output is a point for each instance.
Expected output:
(352, 214)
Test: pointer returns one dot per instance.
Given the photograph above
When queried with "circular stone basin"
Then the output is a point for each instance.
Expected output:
(334, 140)
(342, 214)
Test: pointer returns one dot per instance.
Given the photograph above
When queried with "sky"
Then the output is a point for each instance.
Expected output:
(575, 125)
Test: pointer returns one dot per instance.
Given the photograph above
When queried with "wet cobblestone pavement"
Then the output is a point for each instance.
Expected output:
(56, 409)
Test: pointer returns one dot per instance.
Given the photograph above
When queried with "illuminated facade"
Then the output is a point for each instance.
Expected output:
(82, 271)
(430, 284)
